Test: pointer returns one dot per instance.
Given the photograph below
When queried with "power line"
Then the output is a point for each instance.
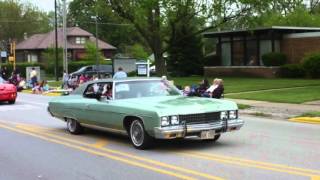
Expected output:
(86, 22)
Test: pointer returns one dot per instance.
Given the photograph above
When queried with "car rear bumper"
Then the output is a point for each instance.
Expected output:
(8, 96)
(182, 131)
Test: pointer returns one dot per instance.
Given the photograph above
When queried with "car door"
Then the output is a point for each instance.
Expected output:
(100, 112)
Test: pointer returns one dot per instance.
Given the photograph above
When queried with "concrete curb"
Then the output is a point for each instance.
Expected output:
(311, 120)
(44, 94)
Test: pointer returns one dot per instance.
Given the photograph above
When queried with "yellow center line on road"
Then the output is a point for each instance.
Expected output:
(100, 143)
(315, 178)
(44, 135)
(133, 163)
(256, 164)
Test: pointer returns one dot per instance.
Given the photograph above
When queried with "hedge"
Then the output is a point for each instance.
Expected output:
(292, 71)
(274, 59)
(311, 65)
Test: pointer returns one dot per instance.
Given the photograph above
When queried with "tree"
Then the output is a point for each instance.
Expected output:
(137, 51)
(185, 50)
(150, 18)
(91, 50)
(111, 28)
(17, 19)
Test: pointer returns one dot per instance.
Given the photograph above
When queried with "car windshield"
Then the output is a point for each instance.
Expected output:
(147, 88)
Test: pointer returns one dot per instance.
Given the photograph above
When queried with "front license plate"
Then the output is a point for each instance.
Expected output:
(207, 134)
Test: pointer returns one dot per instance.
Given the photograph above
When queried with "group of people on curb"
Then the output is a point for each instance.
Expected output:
(204, 89)
(13, 78)
(215, 90)
(21, 83)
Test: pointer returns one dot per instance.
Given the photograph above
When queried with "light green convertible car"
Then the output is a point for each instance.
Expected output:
(145, 109)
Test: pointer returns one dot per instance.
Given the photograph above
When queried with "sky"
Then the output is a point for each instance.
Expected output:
(44, 5)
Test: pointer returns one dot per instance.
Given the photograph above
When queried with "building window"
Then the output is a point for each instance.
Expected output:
(80, 40)
(32, 58)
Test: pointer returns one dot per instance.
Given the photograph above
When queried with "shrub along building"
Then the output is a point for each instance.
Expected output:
(239, 52)
(32, 49)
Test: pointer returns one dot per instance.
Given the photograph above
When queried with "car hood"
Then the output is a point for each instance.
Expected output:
(177, 105)
(7, 87)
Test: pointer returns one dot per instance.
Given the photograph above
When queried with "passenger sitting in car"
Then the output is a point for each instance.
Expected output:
(107, 91)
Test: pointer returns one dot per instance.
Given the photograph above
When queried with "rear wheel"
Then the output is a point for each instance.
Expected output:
(74, 126)
(138, 136)
(12, 101)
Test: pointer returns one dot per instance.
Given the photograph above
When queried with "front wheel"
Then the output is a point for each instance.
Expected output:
(12, 101)
(138, 136)
(74, 126)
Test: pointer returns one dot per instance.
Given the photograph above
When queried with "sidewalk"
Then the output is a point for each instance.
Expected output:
(276, 110)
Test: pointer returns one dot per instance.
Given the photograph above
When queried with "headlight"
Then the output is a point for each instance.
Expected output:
(165, 121)
(174, 120)
(224, 115)
(233, 114)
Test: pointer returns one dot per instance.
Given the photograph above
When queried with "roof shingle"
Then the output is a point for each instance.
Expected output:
(44, 41)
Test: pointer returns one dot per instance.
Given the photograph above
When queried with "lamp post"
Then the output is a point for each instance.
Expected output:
(97, 46)
(56, 40)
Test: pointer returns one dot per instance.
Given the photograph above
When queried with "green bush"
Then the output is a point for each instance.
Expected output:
(292, 71)
(311, 65)
(274, 59)
(132, 74)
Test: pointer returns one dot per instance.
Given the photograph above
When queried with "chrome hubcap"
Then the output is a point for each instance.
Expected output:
(71, 125)
(136, 133)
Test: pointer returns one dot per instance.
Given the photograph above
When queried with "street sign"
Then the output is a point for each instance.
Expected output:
(142, 69)
(3, 54)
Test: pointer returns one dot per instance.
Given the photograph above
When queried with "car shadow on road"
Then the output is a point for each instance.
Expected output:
(172, 144)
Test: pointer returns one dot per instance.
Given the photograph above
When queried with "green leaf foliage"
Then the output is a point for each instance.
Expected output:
(274, 59)
(311, 64)
(17, 18)
(292, 71)
(91, 52)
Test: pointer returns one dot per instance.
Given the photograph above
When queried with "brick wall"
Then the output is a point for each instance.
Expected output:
(296, 48)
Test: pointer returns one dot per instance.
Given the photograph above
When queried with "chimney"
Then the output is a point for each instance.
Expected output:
(25, 36)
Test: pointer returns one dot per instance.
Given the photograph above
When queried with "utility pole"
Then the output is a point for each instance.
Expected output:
(97, 46)
(65, 50)
(56, 39)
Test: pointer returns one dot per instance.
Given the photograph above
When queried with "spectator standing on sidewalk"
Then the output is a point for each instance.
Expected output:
(33, 76)
(120, 74)
(65, 79)
(4, 73)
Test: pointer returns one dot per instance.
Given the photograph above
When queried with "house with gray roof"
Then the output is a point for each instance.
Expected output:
(31, 49)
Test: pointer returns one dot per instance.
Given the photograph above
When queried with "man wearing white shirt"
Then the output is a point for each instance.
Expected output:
(120, 74)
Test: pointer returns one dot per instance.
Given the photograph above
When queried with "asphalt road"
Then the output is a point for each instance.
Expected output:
(34, 145)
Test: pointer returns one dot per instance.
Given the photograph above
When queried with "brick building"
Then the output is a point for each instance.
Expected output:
(31, 49)
(240, 51)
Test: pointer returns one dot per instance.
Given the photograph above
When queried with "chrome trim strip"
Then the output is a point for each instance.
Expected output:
(118, 131)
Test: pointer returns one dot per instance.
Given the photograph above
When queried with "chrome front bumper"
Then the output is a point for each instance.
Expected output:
(182, 131)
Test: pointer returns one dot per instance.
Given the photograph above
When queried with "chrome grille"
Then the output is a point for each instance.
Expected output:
(200, 118)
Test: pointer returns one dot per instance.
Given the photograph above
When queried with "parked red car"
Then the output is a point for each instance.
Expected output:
(8, 92)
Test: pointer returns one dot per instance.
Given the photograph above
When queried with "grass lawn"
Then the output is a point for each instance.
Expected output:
(311, 114)
(55, 83)
(299, 95)
(233, 85)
